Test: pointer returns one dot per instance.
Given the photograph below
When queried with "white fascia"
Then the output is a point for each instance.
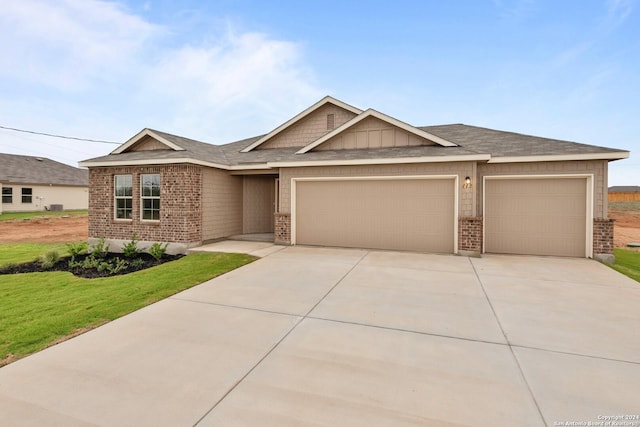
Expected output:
(373, 113)
(395, 160)
(618, 155)
(146, 132)
(314, 107)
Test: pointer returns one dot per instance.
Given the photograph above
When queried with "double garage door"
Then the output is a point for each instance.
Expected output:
(532, 216)
(413, 214)
(536, 216)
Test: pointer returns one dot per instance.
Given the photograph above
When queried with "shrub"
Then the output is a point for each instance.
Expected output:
(157, 250)
(137, 263)
(100, 249)
(90, 262)
(76, 249)
(73, 264)
(49, 259)
(130, 249)
(118, 265)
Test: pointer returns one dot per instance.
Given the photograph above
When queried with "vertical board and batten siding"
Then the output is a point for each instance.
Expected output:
(309, 128)
(258, 204)
(536, 216)
(416, 214)
(221, 204)
(372, 133)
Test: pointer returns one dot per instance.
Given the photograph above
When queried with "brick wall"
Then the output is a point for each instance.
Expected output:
(470, 234)
(180, 205)
(603, 236)
(282, 233)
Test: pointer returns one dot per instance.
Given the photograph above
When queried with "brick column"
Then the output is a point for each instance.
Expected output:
(603, 239)
(282, 232)
(470, 236)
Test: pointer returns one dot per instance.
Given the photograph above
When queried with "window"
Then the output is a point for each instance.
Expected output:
(124, 196)
(7, 195)
(27, 195)
(150, 196)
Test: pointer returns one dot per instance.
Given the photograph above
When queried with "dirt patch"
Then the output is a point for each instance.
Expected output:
(626, 228)
(45, 229)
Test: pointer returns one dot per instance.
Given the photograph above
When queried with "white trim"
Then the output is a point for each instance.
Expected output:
(589, 203)
(561, 157)
(142, 198)
(314, 107)
(373, 113)
(168, 161)
(377, 178)
(115, 198)
(146, 132)
(392, 160)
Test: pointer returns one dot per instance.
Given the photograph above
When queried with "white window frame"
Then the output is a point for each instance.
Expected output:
(121, 197)
(151, 197)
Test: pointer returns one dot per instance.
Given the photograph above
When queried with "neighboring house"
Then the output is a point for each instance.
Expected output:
(36, 183)
(624, 193)
(335, 175)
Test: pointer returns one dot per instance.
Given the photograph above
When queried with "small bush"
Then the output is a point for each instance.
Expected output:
(130, 249)
(76, 249)
(118, 265)
(49, 259)
(137, 263)
(90, 262)
(100, 249)
(73, 264)
(157, 250)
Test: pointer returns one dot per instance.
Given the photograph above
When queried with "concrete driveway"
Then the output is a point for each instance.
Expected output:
(338, 337)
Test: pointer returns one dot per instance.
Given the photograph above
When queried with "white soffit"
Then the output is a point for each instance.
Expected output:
(373, 113)
(314, 107)
(142, 134)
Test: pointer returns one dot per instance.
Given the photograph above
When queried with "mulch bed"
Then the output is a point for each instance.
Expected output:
(147, 261)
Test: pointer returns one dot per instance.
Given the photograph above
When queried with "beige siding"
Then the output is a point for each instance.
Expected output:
(462, 169)
(148, 144)
(396, 214)
(309, 128)
(372, 133)
(221, 204)
(258, 204)
(545, 216)
(45, 195)
(596, 167)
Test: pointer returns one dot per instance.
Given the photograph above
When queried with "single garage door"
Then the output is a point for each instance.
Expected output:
(536, 216)
(397, 214)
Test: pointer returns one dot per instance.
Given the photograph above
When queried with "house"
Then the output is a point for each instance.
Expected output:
(624, 193)
(336, 175)
(37, 183)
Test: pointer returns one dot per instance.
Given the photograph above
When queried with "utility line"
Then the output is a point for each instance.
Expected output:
(59, 136)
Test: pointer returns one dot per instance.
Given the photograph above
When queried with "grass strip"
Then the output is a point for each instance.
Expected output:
(39, 309)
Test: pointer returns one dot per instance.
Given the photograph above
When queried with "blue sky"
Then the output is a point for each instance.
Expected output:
(220, 71)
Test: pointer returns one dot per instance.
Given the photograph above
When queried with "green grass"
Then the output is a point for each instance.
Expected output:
(6, 216)
(624, 206)
(627, 263)
(40, 308)
(17, 253)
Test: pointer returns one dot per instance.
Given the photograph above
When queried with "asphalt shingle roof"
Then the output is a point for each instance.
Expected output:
(15, 169)
(469, 140)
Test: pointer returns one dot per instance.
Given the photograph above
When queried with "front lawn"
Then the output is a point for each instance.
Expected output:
(627, 263)
(39, 309)
(6, 216)
(16, 253)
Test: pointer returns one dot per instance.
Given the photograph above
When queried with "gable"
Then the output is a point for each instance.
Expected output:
(308, 129)
(372, 133)
(147, 143)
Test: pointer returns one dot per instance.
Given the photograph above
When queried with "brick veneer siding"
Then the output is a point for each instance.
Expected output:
(180, 205)
(603, 236)
(282, 233)
(470, 234)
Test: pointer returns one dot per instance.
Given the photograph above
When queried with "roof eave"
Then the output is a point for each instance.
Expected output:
(615, 155)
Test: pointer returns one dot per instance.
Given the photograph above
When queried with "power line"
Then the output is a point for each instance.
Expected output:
(59, 136)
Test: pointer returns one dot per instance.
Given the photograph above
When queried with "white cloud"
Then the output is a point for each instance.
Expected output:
(618, 11)
(66, 44)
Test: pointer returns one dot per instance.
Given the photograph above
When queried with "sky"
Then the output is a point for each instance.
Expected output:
(224, 70)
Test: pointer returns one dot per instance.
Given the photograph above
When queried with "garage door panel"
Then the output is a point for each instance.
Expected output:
(536, 216)
(411, 214)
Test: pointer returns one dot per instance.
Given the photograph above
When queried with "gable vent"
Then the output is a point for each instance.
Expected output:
(330, 121)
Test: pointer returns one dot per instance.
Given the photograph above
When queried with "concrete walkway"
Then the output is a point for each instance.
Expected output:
(338, 337)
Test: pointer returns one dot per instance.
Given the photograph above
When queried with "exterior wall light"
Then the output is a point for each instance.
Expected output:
(467, 182)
